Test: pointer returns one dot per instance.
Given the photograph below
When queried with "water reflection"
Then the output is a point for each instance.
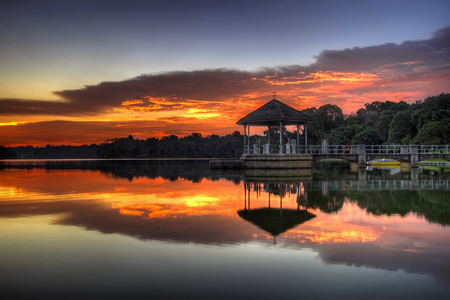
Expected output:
(275, 221)
(366, 219)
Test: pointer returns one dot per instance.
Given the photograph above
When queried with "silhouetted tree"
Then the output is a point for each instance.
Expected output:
(7, 152)
(433, 133)
(383, 124)
(399, 128)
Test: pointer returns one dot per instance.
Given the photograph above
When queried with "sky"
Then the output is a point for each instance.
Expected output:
(82, 72)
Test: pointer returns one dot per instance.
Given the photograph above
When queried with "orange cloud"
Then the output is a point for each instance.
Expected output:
(211, 101)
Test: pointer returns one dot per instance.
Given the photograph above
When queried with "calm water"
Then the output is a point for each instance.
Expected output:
(170, 229)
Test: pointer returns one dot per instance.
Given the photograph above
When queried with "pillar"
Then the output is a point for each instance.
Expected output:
(245, 137)
(268, 139)
(306, 134)
(281, 200)
(288, 148)
(306, 200)
(414, 179)
(404, 149)
(248, 149)
(361, 179)
(281, 138)
(248, 196)
(362, 163)
(414, 161)
(245, 196)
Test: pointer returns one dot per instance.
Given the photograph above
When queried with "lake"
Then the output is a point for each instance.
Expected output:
(171, 229)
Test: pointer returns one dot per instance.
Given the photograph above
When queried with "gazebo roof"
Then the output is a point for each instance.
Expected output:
(271, 221)
(274, 112)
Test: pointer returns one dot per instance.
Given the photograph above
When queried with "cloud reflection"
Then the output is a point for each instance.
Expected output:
(206, 213)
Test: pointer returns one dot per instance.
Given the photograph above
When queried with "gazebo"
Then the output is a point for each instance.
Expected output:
(272, 160)
(274, 113)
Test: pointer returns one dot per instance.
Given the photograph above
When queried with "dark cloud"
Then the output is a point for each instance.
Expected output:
(12, 106)
(368, 58)
(204, 85)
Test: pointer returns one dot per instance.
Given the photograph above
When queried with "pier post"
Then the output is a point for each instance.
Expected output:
(288, 148)
(404, 149)
(414, 161)
(256, 149)
(415, 179)
(361, 179)
(362, 163)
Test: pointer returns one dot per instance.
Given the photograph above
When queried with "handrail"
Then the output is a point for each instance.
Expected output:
(347, 149)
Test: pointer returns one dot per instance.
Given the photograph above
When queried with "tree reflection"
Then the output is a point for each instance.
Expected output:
(388, 197)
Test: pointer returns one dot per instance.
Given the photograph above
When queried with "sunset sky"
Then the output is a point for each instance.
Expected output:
(80, 72)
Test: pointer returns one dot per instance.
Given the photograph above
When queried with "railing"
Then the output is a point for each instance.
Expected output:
(406, 149)
(308, 149)
(347, 149)
(433, 149)
(380, 185)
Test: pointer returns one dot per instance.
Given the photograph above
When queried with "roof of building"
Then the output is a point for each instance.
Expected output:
(274, 112)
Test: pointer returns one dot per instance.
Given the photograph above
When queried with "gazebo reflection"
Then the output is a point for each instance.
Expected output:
(276, 220)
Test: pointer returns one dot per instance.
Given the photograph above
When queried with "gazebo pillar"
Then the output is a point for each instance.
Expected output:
(245, 137)
(281, 138)
(306, 134)
(248, 148)
(281, 200)
(245, 195)
(267, 146)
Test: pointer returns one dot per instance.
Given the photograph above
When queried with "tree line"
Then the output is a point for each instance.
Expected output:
(424, 122)
(50, 152)
(172, 146)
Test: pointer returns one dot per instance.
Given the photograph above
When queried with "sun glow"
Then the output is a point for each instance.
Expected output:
(200, 114)
(11, 123)
(10, 192)
(343, 233)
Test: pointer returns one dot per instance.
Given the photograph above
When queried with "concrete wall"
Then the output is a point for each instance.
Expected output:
(274, 161)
